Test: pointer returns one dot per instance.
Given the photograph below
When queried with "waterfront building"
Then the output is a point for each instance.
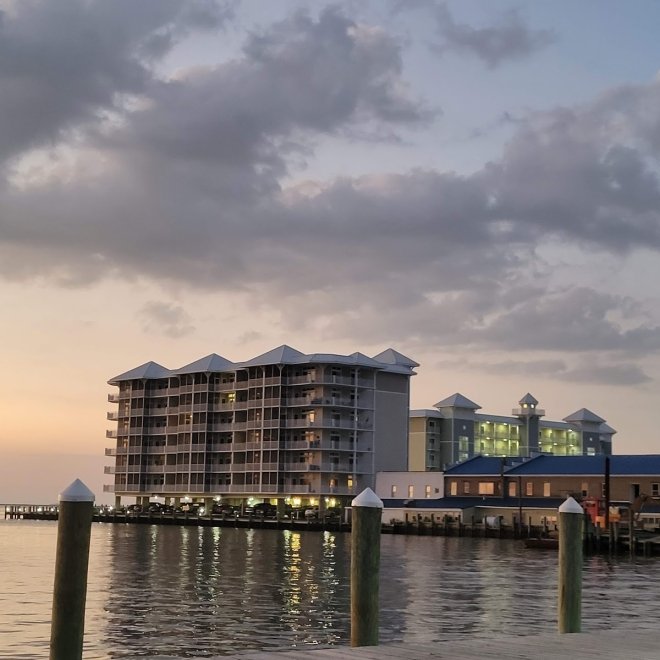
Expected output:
(513, 489)
(313, 429)
(410, 485)
(454, 431)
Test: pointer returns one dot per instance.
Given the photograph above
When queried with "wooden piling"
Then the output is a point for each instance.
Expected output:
(76, 505)
(571, 523)
(365, 567)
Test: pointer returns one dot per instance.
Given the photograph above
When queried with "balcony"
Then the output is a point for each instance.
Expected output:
(109, 488)
(113, 397)
(223, 387)
(525, 412)
(109, 469)
(110, 451)
(111, 433)
(112, 416)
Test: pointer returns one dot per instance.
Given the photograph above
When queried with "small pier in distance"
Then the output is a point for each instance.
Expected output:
(602, 644)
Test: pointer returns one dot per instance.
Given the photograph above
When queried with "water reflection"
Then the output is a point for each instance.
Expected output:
(173, 592)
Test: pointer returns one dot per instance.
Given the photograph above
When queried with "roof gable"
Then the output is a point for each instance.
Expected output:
(584, 415)
(281, 355)
(146, 370)
(208, 364)
(390, 356)
(457, 401)
(528, 399)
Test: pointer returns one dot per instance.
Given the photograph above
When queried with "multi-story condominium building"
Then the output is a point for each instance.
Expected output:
(455, 431)
(315, 427)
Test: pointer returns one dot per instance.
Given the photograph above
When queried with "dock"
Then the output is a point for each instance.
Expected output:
(601, 645)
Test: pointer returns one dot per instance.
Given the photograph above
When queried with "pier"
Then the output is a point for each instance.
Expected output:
(604, 645)
(616, 539)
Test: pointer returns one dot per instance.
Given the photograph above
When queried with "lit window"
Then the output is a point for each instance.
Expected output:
(453, 488)
(411, 491)
(393, 491)
(546, 489)
(427, 490)
(512, 489)
(529, 488)
(486, 488)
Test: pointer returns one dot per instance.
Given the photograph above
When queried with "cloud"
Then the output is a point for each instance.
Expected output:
(166, 319)
(190, 184)
(534, 369)
(510, 39)
(65, 64)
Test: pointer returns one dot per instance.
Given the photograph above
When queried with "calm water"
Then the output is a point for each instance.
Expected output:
(173, 592)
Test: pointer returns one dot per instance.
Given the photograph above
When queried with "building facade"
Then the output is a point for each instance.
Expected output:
(315, 428)
(455, 431)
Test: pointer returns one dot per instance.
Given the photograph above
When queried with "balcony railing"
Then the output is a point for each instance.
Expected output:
(528, 411)
(113, 397)
(109, 488)
(111, 433)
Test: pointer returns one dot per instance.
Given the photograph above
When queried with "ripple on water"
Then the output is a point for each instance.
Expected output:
(171, 592)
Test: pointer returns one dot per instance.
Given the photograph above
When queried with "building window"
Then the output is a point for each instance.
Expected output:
(529, 488)
(466, 488)
(453, 488)
(512, 489)
(655, 490)
(427, 491)
(486, 488)
(546, 489)
(411, 491)
(393, 491)
(602, 489)
(463, 443)
(585, 489)
(591, 451)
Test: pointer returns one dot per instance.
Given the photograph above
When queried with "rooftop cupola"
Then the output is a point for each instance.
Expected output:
(528, 407)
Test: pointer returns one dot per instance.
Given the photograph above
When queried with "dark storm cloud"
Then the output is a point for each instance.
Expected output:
(509, 39)
(61, 63)
(186, 185)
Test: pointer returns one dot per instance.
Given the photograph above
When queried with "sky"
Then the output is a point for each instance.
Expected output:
(475, 184)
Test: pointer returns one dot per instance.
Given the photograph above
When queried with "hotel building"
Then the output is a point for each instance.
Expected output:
(455, 431)
(282, 425)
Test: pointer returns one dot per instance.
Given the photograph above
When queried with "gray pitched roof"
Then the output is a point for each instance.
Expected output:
(528, 399)
(457, 401)
(146, 370)
(584, 415)
(208, 364)
(390, 356)
(606, 428)
(281, 355)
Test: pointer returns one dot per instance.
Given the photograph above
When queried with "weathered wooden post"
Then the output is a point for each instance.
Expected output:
(76, 505)
(571, 522)
(365, 567)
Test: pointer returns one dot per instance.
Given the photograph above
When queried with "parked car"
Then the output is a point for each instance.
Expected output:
(225, 509)
(265, 509)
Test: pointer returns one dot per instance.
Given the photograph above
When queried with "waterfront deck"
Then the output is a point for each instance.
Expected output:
(604, 645)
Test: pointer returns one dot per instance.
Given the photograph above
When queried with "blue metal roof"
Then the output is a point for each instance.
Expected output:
(620, 465)
(478, 465)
